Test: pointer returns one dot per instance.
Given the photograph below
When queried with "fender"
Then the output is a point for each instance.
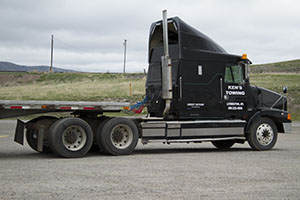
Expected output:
(278, 116)
(252, 119)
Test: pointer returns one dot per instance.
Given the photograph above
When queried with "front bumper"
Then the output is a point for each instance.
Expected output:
(287, 127)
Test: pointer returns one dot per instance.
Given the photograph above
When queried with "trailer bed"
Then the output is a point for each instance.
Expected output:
(12, 108)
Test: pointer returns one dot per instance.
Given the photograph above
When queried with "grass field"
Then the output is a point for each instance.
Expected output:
(72, 86)
(276, 82)
(291, 66)
(115, 87)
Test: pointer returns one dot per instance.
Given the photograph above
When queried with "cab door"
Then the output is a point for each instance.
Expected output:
(199, 90)
(234, 91)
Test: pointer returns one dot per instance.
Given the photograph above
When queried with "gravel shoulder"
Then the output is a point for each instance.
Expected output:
(153, 171)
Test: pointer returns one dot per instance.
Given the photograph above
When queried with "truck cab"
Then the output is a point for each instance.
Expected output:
(208, 83)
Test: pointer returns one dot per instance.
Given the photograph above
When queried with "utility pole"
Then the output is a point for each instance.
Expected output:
(125, 43)
(51, 63)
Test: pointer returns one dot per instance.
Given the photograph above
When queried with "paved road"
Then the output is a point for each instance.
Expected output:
(154, 171)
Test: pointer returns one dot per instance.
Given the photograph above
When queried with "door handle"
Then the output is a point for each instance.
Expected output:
(221, 88)
(180, 88)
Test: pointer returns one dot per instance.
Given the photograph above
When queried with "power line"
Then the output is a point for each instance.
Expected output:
(69, 46)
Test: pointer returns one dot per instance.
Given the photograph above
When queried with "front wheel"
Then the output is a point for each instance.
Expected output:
(262, 135)
(119, 136)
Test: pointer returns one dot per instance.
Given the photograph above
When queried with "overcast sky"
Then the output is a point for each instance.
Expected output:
(89, 34)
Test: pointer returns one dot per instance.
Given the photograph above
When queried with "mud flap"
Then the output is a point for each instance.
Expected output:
(19, 134)
(40, 143)
(39, 138)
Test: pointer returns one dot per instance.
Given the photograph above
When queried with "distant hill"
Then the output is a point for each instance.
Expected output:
(11, 67)
(292, 66)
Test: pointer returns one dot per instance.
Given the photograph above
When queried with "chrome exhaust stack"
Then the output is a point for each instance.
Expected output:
(166, 68)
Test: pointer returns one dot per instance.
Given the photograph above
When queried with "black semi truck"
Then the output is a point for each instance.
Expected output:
(196, 92)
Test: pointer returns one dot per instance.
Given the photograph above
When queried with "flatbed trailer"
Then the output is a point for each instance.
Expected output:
(197, 93)
(11, 108)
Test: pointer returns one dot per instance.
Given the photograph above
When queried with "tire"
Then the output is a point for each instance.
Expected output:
(70, 137)
(119, 136)
(99, 132)
(223, 144)
(32, 140)
(32, 133)
(95, 148)
(262, 135)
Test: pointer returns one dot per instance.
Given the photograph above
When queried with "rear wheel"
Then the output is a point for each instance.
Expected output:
(70, 137)
(32, 132)
(32, 140)
(223, 144)
(99, 132)
(262, 135)
(119, 136)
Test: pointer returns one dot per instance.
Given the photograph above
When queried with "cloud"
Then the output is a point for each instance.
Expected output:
(88, 35)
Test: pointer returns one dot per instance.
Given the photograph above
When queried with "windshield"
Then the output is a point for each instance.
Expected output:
(234, 73)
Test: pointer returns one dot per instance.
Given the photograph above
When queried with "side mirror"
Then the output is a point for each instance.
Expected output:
(284, 90)
(247, 81)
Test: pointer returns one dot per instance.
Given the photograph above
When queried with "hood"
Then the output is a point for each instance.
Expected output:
(272, 99)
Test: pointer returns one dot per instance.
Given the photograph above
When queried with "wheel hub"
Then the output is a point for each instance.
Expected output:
(74, 138)
(70, 137)
(118, 136)
(264, 134)
(121, 136)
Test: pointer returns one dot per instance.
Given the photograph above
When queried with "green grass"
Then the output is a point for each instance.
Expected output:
(276, 82)
(115, 87)
(77, 87)
(292, 66)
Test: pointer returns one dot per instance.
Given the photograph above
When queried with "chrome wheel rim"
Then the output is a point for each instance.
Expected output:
(74, 138)
(121, 136)
(264, 134)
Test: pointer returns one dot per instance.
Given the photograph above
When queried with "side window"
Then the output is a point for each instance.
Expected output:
(234, 74)
(154, 73)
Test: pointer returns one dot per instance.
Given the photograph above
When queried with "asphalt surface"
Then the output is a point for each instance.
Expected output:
(153, 171)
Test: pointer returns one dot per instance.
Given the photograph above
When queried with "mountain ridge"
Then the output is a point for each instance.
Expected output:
(12, 67)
